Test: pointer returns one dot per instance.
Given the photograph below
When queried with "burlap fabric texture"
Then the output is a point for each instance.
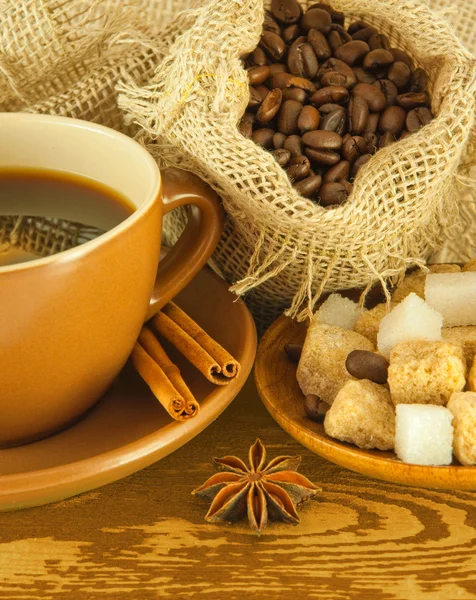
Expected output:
(182, 92)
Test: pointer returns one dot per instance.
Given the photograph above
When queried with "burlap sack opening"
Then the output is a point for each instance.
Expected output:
(280, 249)
(185, 91)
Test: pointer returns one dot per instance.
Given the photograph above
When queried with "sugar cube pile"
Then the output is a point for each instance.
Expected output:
(424, 434)
(412, 319)
(453, 295)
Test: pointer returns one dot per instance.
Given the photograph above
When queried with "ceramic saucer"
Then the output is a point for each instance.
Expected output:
(128, 429)
(277, 385)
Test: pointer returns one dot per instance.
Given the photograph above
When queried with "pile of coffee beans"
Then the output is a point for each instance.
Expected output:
(323, 98)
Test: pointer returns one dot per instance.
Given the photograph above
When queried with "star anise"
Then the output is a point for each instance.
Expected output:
(262, 492)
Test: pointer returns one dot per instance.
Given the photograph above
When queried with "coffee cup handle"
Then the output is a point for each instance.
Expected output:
(198, 240)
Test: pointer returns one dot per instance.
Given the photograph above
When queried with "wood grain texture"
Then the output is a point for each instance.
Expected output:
(144, 537)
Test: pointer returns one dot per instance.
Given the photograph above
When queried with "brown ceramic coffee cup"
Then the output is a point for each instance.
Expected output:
(68, 322)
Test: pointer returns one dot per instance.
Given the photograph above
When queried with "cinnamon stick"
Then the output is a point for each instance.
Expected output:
(207, 355)
(161, 386)
(154, 348)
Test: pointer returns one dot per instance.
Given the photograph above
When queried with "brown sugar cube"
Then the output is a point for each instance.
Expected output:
(362, 414)
(444, 268)
(321, 370)
(424, 372)
(463, 407)
(470, 266)
(464, 337)
(369, 321)
(415, 282)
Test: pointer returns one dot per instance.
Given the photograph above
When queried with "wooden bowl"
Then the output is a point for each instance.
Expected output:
(276, 381)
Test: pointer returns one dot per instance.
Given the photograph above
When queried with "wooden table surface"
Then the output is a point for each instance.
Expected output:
(145, 537)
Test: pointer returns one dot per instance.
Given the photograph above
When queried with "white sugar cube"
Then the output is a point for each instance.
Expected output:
(339, 312)
(424, 434)
(412, 319)
(454, 296)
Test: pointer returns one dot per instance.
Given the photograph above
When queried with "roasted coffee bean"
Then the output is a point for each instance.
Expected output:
(336, 16)
(315, 408)
(288, 117)
(270, 106)
(353, 148)
(359, 163)
(250, 117)
(298, 168)
(257, 58)
(286, 11)
(352, 53)
(323, 157)
(262, 90)
(322, 140)
(392, 119)
(400, 55)
(377, 59)
(316, 18)
(365, 34)
(364, 76)
(333, 78)
(372, 122)
(278, 140)
(374, 97)
(337, 38)
(332, 194)
(293, 352)
(417, 118)
(334, 64)
(273, 45)
(347, 186)
(295, 145)
(302, 61)
(386, 139)
(257, 75)
(400, 74)
(255, 99)
(246, 129)
(359, 115)
(308, 119)
(412, 100)
(303, 83)
(270, 24)
(263, 137)
(334, 94)
(291, 33)
(329, 107)
(334, 121)
(339, 171)
(319, 44)
(277, 68)
(419, 81)
(388, 89)
(379, 41)
(282, 156)
(356, 26)
(363, 364)
(295, 60)
(371, 142)
(295, 94)
(279, 80)
(309, 187)
(405, 134)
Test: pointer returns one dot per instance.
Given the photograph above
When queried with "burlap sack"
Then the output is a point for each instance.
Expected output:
(184, 88)
(280, 249)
